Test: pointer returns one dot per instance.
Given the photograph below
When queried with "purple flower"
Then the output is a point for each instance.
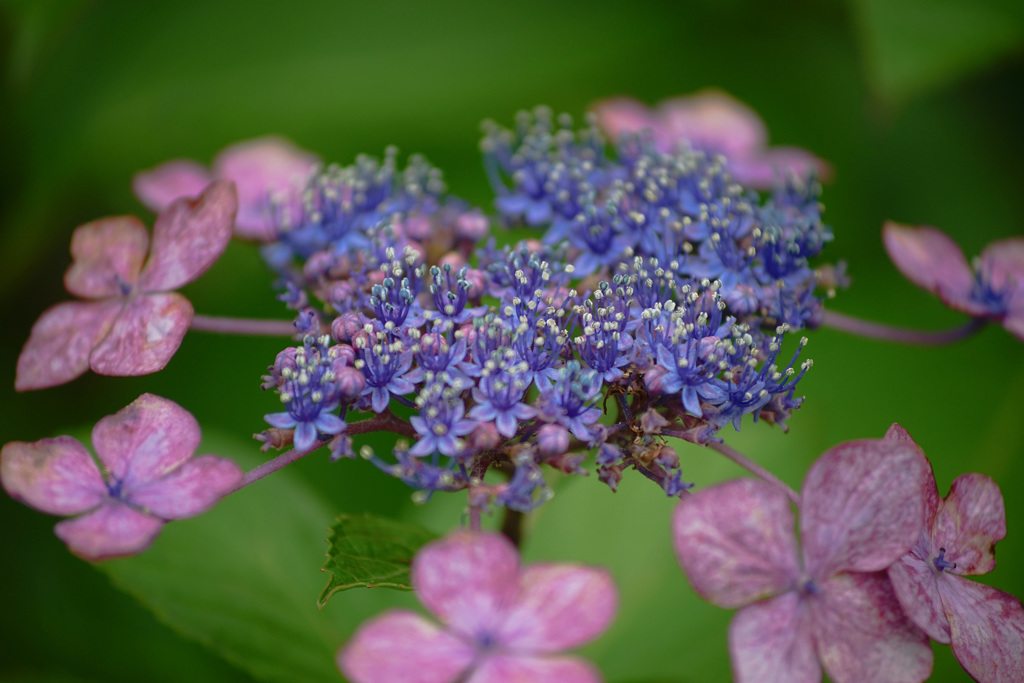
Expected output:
(716, 123)
(499, 621)
(499, 397)
(259, 168)
(132, 323)
(310, 392)
(440, 423)
(147, 476)
(984, 625)
(825, 602)
(994, 288)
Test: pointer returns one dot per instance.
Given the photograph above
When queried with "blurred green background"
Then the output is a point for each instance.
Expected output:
(917, 103)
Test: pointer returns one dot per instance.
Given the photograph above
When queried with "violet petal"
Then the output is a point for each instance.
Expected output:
(145, 440)
(735, 542)
(863, 634)
(862, 506)
(144, 337)
(559, 607)
(158, 187)
(188, 237)
(108, 254)
(58, 349)
(772, 641)
(969, 522)
(767, 167)
(711, 119)
(189, 490)
(466, 579)
(111, 530)
(987, 628)
(403, 646)
(57, 476)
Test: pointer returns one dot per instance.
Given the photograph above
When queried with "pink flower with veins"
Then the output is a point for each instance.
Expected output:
(825, 602)
(146, 477)
(993, 288)
(984, 625)
(131, 323)
(499, 621)
(259, 168)
(713, 122)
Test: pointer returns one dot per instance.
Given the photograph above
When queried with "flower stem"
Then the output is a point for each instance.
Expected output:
(385, 422)
(872, 330)
(262, 328)
(751, 466)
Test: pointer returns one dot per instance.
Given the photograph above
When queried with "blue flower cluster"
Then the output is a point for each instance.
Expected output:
(659, 296)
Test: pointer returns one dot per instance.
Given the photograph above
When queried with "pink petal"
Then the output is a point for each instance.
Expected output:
(1014, 323)
(1004, 264)
(773, 641)
(516, 669)
(913, 579)
(559, 607)
(57, 476)
(112, 530)
(144, 336)
(621, 115)
(763, 170)
(58, 348)
(188, 237)
(863, 635)
(146, 440)
(735, 542)
(862, 506)
(969, 522)
(466, 579)
(929, 490)
(160, 186)
(107, 253)
(190, 490)
(988, 630)
(931, 260)
(260, 168)
(403, 646)
(712, 120)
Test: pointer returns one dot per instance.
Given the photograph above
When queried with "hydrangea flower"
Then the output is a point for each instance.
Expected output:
(714, 122)
(259, 168)
(825, 602)
(146, 475)
(131, 322)
(992, 288)
(984, 625)
(499, 621)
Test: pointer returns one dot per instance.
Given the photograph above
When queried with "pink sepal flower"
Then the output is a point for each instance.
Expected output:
(714, 122)
(259, 168)
(131, 324)
(825, 602)
(984, 626)
(993, 288)
(146, 477)
(499, 621)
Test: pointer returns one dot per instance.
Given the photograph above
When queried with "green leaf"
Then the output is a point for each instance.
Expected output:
(911, 46)
(371, 551)
(243, 578)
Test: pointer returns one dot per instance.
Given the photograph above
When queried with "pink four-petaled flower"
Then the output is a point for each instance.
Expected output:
(147, 476)
(993, 288)
(131, 323)
(260, 168)
(825, 602)
(714, 122)
(500, 622)
(984, 625)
